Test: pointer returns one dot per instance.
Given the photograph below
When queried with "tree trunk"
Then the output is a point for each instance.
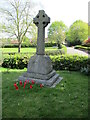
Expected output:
(19, 47)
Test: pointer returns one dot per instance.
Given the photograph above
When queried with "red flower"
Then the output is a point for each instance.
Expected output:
(16, 87)
(15, 84)
(31, 86)
(24, 84)
(20, 82)
(32, 81)
(41, 85)
(28, 81)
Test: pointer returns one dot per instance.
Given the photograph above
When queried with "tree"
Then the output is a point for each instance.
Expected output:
(18, 19)
(34, 34)
(56, 32)
(26, 41)
(77, 33)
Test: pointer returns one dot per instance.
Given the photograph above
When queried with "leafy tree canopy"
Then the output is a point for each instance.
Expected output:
(56, 32)
(77, 32)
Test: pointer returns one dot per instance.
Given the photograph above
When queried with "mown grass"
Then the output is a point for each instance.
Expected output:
(31, 50)
(69, 99)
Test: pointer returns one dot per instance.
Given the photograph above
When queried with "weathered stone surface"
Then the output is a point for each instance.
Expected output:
(41, 21)
(52, 82)
(40, 66)
(56, 82)
(39, 76)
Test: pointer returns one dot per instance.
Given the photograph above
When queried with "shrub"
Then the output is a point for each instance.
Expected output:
(86, 43)
(28, 45)
(86, 70)
(73, 43)
(18, 61)
(84, 48)
(50, 44)
(24, 45)
(60, 62)
(10, 46)
(69, 62)
(54, 52)
(61, 51)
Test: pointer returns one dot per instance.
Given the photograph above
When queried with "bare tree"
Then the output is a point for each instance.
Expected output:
(18, 19)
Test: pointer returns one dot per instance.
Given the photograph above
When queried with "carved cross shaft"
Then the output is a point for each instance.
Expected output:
(41, 21)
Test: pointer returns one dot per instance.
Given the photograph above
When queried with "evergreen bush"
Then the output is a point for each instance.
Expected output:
(60, 62)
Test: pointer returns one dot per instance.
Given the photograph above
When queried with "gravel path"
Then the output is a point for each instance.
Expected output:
(71, 50)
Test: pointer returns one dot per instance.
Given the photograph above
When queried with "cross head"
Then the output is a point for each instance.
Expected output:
(41, 21)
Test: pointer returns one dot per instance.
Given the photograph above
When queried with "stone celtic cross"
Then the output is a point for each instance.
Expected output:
(41, 21)
(40, 67)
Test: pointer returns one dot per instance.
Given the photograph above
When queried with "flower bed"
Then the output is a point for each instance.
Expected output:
(26, 84)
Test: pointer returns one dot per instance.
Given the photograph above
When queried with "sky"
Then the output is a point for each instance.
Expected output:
(66, 10)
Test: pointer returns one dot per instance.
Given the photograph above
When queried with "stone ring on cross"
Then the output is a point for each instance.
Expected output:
(41, 19)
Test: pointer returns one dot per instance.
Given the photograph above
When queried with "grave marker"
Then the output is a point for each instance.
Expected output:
(40, 65)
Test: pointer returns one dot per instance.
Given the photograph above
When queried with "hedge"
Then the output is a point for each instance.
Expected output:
(18, 61)
(82, 47)
(70, 62)
(61, 51)
(73, 43)
(24, 45)
(60, 62)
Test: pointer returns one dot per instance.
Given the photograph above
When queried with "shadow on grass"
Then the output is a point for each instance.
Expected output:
(67, 100)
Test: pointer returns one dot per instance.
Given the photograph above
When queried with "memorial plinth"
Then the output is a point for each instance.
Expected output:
(40, 66)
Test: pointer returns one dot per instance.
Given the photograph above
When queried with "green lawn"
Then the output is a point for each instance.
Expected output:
(69, 99)
(31, 50)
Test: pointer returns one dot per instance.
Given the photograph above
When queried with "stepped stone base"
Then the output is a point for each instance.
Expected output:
(40, 70)
(52, 79)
